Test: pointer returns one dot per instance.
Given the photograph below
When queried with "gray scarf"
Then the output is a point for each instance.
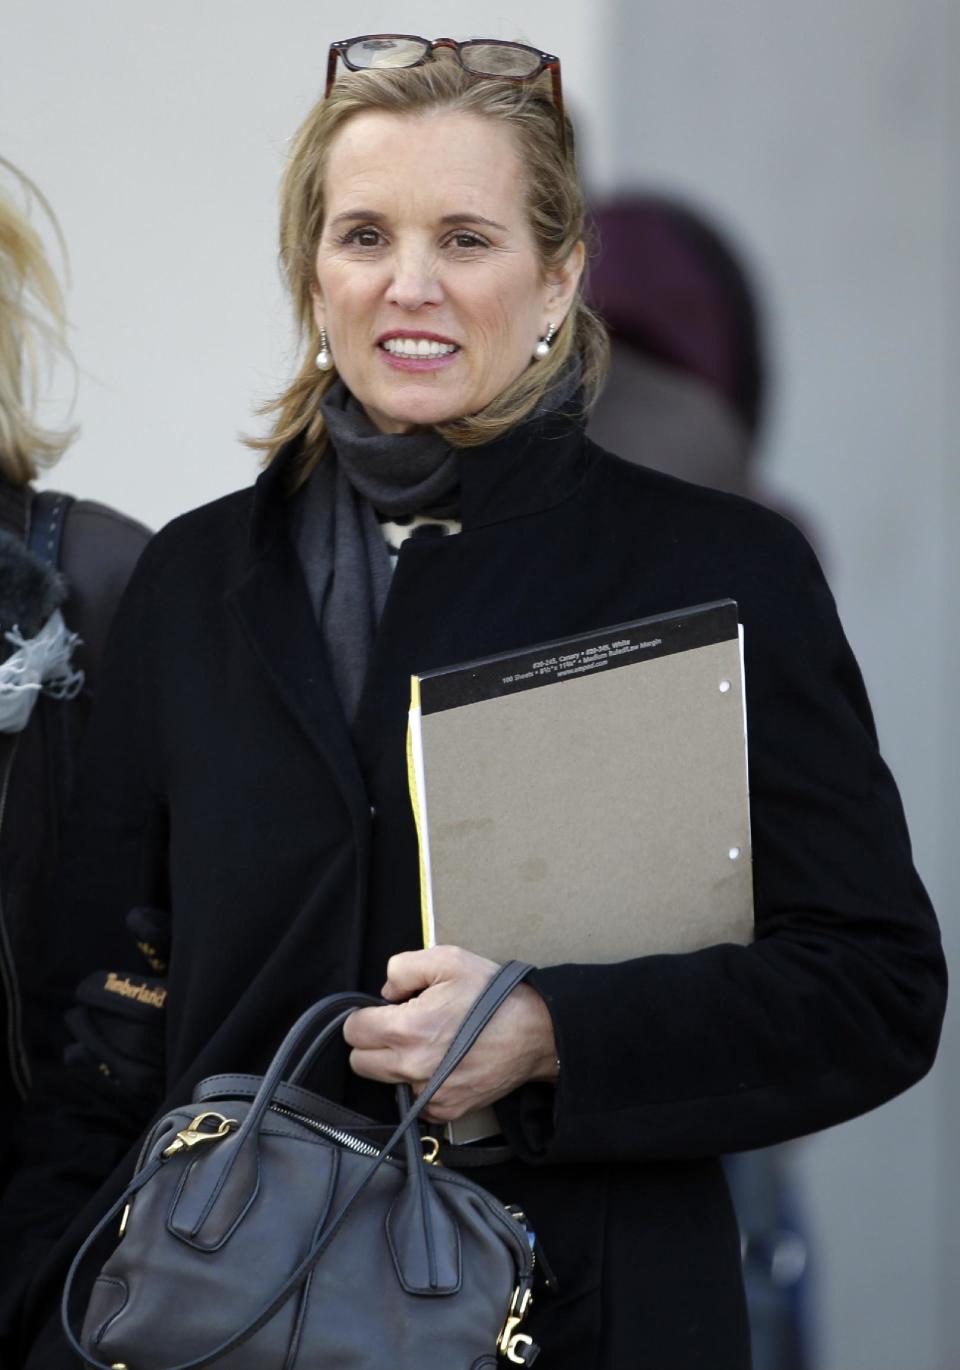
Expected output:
(335, 527)
(337, 534)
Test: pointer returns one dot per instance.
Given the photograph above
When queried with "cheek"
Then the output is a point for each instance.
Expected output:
(345, 295)
(509, 318)
(517, 332)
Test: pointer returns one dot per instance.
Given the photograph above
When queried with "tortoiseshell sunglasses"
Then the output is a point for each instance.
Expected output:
(479, 56)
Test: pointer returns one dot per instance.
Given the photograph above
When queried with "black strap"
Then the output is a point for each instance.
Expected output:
(484, 1007)
(48, 514)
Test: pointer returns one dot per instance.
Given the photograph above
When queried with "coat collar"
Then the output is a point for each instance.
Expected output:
(534, 467)
(537, 466)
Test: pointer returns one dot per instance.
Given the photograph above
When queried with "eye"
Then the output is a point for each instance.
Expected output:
(364, 236)
(464, 239)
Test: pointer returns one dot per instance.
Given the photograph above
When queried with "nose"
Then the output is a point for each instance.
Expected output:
(415, 280)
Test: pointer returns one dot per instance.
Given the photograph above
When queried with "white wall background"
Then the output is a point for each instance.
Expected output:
(822, 133)
(825, 133)
(159, 134)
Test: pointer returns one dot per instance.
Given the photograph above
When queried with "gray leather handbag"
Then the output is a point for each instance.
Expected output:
(271, 1232)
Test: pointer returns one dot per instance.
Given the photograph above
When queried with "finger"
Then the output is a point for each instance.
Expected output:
(371, 1028)
(409, 972)
(444, 1107)
(150, 929)
(379, 1064)
(383, 1066)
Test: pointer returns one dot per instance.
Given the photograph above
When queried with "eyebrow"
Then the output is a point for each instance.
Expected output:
(374, 216)
(348, 214)
(472, 219)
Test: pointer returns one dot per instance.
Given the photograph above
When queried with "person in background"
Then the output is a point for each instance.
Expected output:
(687, 337)
(687, 394)
(63, 566)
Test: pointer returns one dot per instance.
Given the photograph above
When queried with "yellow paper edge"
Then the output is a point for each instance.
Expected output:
(415, 802)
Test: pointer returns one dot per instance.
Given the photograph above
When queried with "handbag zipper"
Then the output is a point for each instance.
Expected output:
(343, 1139)
(16, 1050)
(511, 1343)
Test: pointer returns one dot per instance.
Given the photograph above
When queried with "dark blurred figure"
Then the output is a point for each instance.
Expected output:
(688, 378)
(773, 1240)
(63, 565)
(686, 395)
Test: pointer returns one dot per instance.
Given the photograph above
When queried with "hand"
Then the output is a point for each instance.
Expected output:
(431, 992)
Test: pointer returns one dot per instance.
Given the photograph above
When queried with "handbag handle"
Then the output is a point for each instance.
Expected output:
(481, 1011)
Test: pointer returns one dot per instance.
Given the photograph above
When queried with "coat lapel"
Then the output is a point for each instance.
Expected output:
(273, 607)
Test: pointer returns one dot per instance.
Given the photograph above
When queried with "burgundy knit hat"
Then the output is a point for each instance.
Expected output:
(669, 283)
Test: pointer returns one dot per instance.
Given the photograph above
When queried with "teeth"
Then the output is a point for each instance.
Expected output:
(417, 347)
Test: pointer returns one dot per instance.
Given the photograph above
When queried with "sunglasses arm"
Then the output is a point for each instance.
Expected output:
(331, 70)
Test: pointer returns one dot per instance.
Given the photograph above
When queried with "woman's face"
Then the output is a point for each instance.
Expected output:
(428, 281)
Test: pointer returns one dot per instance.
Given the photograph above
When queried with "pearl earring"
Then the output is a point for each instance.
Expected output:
(543, 346)
(324, 358)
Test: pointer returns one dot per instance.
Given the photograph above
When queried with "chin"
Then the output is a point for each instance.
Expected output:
(418, 411)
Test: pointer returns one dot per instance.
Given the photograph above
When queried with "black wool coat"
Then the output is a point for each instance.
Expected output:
(224, 784)
(99, 550)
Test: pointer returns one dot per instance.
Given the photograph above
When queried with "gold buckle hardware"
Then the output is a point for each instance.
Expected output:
(186, 1138)
(521, 1339)
(192, 1136)
(510, 1338)
(431, 1150)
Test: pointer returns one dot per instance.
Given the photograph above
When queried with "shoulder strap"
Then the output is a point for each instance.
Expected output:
(48, 513)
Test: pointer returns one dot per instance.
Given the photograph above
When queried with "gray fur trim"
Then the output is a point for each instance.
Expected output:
(29, 590)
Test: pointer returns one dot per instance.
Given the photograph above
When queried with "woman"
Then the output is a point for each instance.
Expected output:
(63, 565)
(248, 762)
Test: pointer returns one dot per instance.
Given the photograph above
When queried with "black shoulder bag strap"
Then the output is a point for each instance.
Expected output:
(48, 514)
(48, 517)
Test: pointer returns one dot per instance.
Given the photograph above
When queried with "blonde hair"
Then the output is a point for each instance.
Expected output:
(556, 209)
(32, 331)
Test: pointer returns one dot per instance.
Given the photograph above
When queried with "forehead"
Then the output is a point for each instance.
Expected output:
(431, 164)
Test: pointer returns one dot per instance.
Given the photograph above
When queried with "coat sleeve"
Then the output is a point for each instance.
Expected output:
(75, 1127)
(834, 1008)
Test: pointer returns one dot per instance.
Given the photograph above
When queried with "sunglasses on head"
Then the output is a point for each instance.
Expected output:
(490, 57)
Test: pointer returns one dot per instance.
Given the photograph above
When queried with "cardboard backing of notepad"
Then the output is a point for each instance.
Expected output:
(587, 800)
